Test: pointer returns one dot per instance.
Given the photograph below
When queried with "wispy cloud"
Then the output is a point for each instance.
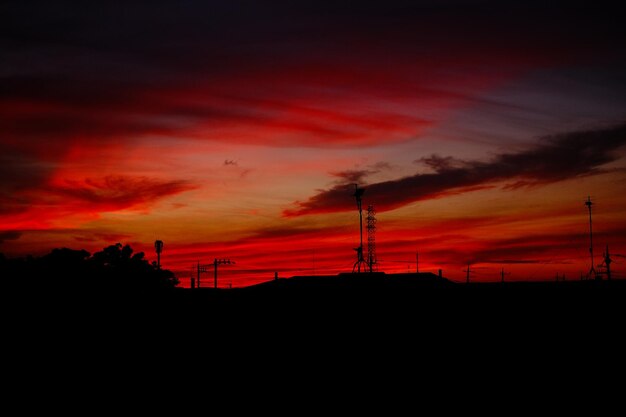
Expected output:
(115, 192)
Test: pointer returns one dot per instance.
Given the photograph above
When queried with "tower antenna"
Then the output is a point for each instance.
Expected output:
(158, 247)
(371, 238)
(607, 263)
(592, 271)
(358, 192)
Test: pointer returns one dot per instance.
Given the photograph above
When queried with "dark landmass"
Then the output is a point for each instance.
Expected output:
(406, 296)
(351, 324)
(117, 289)
(366, 293)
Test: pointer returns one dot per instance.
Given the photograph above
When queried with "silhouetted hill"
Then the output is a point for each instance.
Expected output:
(389, 321)
(424, 303)
(404, 296)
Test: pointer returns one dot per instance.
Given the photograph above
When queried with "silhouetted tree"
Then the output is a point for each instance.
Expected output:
(115, 268)
(130, 271)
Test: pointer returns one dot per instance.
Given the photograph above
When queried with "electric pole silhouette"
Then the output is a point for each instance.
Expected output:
(502, 274)
(358, 192)
(199, 269)
(592, 270)
(217, 262)
(417, 263)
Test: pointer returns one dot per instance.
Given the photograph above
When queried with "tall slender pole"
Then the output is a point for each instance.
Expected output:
(357, 265)
(588, 203)
(607, 262)
(215, 273)
(360, 231)
(417, 263)
(198, 281)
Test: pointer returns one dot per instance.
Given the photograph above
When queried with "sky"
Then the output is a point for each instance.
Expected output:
(238, 130)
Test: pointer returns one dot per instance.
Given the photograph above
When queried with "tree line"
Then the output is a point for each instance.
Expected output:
(115, 268)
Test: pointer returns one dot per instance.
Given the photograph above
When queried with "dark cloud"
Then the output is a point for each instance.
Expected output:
(9, 235)
(230, 162)
(352, 176)
(357, 176)
(439, 163)
(382, 166)
(554, 158)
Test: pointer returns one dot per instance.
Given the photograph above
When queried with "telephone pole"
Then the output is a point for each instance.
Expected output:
(199, 269)
(592, 271)
(417, 263)
(502, 274)
(217, 262)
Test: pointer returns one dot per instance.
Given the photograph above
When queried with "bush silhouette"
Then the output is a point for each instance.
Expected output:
(113, 268)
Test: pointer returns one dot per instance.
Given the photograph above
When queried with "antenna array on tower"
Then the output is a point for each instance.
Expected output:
(371, 238)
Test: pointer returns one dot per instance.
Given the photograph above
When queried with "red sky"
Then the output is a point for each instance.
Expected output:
(238, 130)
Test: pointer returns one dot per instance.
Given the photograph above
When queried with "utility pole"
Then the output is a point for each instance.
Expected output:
(217, 262)
(417, 263)
(467, 279)
(199, 269)
(502, 274)
(592, 271)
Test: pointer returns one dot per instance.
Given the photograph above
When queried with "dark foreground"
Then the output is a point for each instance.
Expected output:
(387, 296)
(375, 332)
(406, 299)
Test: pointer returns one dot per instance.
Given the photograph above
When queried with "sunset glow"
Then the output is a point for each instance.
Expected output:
(237, 129)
